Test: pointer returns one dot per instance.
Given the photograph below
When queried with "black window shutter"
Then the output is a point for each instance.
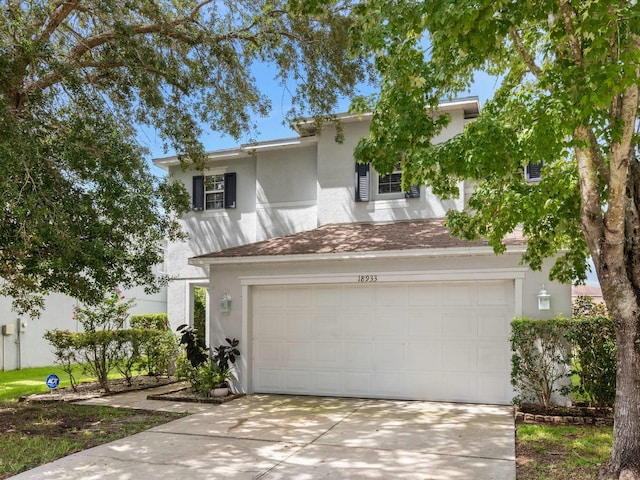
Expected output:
(198, 193)
(414, 192)
(229, 190)
(362, 182)
(534, 171)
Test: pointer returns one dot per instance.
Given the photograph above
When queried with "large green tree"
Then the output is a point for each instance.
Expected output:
(81, 211)
(567, 76)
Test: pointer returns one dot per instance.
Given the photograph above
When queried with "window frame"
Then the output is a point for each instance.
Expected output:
(215, 191)
(397, 171)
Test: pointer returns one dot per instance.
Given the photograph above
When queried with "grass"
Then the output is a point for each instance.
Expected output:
(17, 383)
(555, 452)
(32, 434)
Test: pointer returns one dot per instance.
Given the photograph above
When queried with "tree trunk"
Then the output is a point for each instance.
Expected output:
(625, 455)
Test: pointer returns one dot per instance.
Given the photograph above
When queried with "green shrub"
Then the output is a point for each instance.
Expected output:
(541, 358)
(150, 321)
(594, 344)
(159, 351)
(65, 351)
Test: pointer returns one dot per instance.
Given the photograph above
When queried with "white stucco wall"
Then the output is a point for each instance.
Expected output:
(33, 350)
(336, 185)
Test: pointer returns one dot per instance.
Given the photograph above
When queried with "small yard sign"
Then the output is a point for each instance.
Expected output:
(53, 381)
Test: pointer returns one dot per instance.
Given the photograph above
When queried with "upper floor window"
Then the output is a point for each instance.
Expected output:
(387, 184)
(214, 191)
(533, 172)
(391, 183)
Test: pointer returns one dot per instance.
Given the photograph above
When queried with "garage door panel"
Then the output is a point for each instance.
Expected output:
(268, 353)
(297, 297)
(297, 323)
(492, 358)
(391, 295)
(357, 355)
(388, 356)
(267, 297)
(494, 293)
(328, 296)
(427, 385)
(362, 295)
(268, 323)
(327, 354)
(460, 387)
(491, 322)
(356, 323)
(357, 383)
(460, 356)
(460, 323)
(425, 295)
(297, 380)
(325, 323)
(428, 341)
(388, 384)
(493, 388)
(456, 294)
(425, 356)
(298, 354)
(424, 324)
(269, 380)
(390, 322)
(327, 382)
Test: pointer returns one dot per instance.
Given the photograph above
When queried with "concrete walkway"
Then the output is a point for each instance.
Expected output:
(276, 437)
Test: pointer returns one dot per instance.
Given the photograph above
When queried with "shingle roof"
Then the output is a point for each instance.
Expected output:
(360, 237)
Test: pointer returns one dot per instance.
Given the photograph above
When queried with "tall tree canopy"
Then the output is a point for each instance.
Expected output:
(567, 96)
(81, 210)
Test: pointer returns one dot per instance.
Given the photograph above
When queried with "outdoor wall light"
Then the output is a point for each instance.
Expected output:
(225, 303)
(544, 299)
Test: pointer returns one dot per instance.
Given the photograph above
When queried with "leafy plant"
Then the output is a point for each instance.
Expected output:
(205, 371)
(594, 343)
(193, 345)
(223, 354)
(541, 359)
(64, 351)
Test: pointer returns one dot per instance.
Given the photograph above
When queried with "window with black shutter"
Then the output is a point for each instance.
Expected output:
(533, 172)
(213, 192)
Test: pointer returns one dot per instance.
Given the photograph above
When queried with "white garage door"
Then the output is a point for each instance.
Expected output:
(426, 341)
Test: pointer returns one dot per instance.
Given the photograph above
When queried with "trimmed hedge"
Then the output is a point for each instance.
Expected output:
(548, 352)
(541, 358)
(594, 344)
(153, 321)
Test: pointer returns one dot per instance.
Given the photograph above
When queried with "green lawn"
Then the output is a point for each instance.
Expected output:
(559, 452)
(17, 383)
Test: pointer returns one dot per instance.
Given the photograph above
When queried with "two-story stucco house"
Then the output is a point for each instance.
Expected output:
(338, 283)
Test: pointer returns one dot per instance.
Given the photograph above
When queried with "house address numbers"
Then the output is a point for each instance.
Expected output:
(367, 278)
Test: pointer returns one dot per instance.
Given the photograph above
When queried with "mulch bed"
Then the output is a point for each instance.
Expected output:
(88, 390)
(187, 395)
(574, 415)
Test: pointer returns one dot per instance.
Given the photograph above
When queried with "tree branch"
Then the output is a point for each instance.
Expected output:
(60, 13)
(567, 16)
(524, 53)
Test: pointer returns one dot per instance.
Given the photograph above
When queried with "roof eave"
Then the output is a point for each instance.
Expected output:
(202, 261)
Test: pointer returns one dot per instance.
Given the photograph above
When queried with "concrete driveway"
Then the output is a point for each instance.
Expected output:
(294, 437)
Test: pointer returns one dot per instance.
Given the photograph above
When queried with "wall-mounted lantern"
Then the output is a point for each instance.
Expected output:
(225, 303)
(544, 299)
